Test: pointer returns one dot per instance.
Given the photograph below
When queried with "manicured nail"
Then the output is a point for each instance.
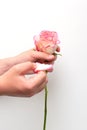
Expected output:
(50, 57)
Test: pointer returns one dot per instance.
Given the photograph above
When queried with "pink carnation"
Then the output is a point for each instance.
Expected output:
(46, 41)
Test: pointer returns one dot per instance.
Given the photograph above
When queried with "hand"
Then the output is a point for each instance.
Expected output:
(30, 55)
(14, 83)
(35, 56)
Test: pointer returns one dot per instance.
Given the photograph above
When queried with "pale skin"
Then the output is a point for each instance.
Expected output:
(14, 69)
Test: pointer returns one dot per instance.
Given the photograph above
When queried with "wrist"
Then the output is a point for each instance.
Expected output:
(2, 83)
(6, 64)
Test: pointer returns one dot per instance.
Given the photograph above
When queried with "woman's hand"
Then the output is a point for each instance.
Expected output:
(14, 83)
(30, 55)
(35, 56)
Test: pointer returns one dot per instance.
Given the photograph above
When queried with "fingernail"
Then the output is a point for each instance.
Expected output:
(50, 57)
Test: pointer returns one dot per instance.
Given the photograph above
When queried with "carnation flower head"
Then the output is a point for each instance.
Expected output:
(46, 41)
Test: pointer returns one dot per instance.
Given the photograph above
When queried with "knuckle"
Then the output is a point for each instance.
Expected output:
(33, 54)
(15, 68)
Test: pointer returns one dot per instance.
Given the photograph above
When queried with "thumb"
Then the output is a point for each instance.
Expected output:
(24, 68)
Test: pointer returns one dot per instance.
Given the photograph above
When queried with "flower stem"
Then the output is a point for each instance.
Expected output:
(57, 54)
(45, 109)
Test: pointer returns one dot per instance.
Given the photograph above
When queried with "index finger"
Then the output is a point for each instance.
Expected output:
(37, 55)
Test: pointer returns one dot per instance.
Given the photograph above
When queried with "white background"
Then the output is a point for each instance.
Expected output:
(20, 20)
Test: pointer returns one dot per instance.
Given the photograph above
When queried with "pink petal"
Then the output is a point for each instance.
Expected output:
(41, 67)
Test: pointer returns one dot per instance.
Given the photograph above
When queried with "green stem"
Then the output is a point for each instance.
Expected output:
(57, 54)
(45, 109)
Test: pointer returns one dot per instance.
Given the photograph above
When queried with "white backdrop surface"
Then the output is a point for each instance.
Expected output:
(20, 20)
